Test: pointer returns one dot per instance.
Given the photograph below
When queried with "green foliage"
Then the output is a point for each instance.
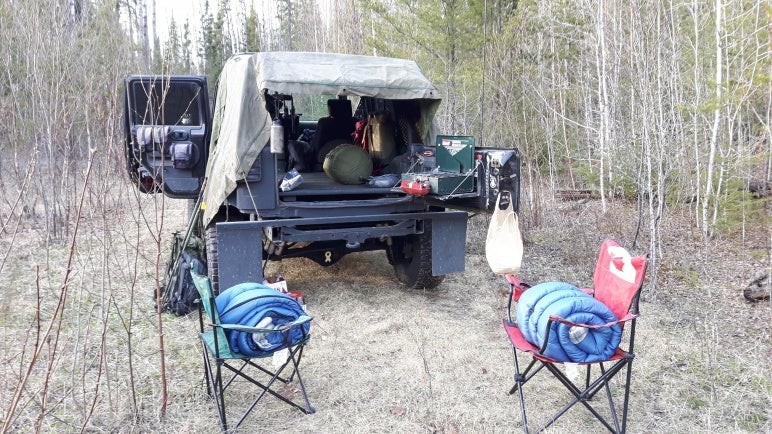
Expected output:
(176, 54)
(738, 209)
(215, 43)
(588, 176)
(294, 19)
(252, 31)
(58, 102)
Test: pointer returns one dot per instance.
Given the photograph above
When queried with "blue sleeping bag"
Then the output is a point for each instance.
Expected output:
(567, 343)
(248, 304)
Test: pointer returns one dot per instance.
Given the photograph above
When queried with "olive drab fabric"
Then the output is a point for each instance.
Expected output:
(241, 123)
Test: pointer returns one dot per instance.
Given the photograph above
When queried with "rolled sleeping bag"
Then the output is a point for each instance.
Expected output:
(250, 304)
(567, 343)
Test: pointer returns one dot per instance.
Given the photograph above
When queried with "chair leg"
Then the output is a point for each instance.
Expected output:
(587, 378)
(582, 396)
(611, 405)
(520, 380)
(219, 395)
(296, 371)
(628, 379)
(266, 388)
(214, 386)
(207, 372)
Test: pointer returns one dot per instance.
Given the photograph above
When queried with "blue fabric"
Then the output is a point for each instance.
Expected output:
(247, 304)
(540, 302)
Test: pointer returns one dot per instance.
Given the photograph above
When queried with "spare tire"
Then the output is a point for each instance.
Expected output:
(348, 164)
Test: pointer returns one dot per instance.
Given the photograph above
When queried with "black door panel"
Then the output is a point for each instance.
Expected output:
(167, 123)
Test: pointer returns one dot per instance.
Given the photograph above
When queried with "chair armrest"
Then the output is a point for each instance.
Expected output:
(302, 319)
(562, 320)
(516, 286)
(516, 289)
(247, 329)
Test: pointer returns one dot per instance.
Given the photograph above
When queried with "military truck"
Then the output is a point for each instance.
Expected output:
(231, 158)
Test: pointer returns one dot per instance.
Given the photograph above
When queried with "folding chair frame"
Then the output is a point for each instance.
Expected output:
(621, 360)
(222, 366)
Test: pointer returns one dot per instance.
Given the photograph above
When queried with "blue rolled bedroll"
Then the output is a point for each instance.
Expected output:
(567, 342)
(257, 305)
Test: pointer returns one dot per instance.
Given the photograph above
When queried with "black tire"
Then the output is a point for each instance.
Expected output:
(212, 270)
(411, 257)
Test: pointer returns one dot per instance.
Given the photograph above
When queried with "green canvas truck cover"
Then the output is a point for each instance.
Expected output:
(241, 125)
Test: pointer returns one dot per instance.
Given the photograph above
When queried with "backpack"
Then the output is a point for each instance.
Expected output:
(179, 295)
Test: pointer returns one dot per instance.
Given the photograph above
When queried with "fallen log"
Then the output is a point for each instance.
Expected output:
(576, 194)
(760, 189)
(759, 288)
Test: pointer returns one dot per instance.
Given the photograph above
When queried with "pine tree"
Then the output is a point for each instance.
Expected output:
(297, 20)
(252, 30)
(215, 43)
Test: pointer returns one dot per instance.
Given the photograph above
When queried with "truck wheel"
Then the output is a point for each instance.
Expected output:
(411, 257)
(210, 236)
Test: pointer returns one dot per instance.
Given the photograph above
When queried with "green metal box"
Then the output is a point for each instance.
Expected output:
(454, 172)
(455, 153)
(442, 183)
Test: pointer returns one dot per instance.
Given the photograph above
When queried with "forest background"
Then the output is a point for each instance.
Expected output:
(665, 106)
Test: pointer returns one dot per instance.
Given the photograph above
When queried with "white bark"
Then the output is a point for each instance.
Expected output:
(603, 100)
(709, 194)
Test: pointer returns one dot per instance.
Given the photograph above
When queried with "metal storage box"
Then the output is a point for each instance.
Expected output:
(442, 183)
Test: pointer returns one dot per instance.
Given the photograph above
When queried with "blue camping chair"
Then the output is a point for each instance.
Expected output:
(237, 341)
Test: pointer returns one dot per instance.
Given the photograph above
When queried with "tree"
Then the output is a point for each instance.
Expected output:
(298, 21)
(447, 47)
(215, 43)
(252, 30)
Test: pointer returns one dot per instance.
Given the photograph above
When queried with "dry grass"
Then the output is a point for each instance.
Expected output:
(382, 358)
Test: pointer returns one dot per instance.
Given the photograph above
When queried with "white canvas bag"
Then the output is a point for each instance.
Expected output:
(504, 243)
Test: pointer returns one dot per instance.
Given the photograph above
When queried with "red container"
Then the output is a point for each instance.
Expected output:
(417, 188)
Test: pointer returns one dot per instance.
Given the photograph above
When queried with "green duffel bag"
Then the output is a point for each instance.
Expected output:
(348, 164)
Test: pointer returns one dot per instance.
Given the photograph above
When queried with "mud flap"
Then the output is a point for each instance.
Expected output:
(240, 254)
(448, 242)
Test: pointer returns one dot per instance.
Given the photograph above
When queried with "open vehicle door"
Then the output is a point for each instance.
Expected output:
(167, 129)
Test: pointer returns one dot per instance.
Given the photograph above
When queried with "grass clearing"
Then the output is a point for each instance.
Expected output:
(382, 358)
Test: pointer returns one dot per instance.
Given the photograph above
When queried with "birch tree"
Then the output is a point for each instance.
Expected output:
(714, 130)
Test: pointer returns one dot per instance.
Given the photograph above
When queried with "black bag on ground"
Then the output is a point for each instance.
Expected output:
(180, 295)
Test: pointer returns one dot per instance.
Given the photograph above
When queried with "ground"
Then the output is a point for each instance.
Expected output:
(384, 358)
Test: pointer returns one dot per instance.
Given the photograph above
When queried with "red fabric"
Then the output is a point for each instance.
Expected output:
(518, 287)
(519, 342)
(360, 136)
(611, 289)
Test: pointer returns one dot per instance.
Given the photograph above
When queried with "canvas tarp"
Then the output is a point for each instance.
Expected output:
(241, 124)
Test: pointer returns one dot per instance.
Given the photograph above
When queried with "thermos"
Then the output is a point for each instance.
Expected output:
(277, 137)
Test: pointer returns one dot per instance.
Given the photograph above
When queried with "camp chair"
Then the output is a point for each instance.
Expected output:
(620, 293)
(219, 357)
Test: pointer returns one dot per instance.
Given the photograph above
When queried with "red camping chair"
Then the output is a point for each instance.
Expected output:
(617, 284)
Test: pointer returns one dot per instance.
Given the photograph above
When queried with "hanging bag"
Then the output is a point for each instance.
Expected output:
(504, 243)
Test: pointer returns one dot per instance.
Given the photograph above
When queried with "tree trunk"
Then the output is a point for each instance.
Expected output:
(709, 188)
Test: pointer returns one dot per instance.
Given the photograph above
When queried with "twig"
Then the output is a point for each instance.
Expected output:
(56, 318)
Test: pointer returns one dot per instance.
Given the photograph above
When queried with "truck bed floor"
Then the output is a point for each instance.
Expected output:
(319, 184)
